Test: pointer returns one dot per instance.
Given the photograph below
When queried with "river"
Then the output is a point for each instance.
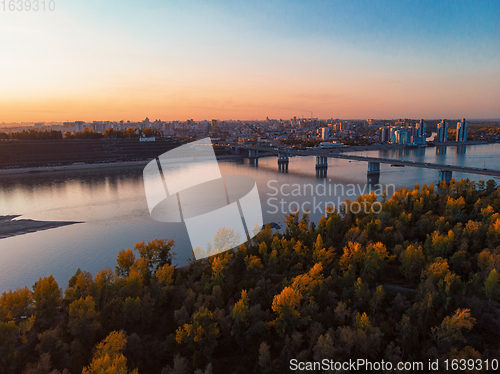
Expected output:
(112, 206)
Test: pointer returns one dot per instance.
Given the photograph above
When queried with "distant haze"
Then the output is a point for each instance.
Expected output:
(174, 60)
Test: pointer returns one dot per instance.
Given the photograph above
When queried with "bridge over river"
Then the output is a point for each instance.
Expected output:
(373, 173)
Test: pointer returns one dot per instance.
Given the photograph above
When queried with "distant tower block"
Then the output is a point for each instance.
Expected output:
(462, 131)
(445, 175)
(283, 162)
(442, 129)
(321, 166)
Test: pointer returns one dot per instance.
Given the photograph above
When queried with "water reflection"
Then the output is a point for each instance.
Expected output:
(113, 205)
(441, 150)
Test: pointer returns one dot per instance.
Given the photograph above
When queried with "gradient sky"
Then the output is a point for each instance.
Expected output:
(174, 60)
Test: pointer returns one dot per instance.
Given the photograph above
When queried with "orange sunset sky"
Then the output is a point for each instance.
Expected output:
(174, 60)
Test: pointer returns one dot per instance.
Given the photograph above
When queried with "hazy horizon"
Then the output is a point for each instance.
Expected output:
(470, 121)
(231, 59)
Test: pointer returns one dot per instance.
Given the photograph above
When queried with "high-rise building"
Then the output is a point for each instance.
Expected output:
(462, 131)
(325, 133)
(459, 132)
(421, 128)
(401, 137)
(442, 131)
(384, 134)
(392, 131)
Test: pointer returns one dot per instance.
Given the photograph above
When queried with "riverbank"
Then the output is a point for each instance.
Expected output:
(10, 226)
(84, 167)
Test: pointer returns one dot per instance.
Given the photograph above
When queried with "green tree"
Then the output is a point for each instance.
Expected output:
(412, 262)
(200, 335)
(377, 299)
(265, 357)
(240, 317)
(9, 356)
(131, 311)
(83, 321)
(374, 259)
(324, 347)
(492, 286)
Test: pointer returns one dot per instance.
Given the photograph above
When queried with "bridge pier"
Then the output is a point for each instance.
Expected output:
(283, 161)
(321, 166)
(461, 149)
(445, 175)
(373, 173)
(441, 150)
(253, 157)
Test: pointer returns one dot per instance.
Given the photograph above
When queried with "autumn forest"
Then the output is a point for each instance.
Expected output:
(417, 281)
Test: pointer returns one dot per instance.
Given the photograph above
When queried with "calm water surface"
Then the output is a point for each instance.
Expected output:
(112, 205)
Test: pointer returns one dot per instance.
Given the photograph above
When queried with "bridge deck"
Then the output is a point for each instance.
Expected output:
(329, 153)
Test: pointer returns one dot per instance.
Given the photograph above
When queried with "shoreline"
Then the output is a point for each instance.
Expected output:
(84, 167)
(10, 227)
(73, 167)
(132, 164)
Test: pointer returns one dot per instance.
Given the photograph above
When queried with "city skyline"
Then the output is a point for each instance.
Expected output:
(233, 60)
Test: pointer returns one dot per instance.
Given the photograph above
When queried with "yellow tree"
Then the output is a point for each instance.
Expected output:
(353, 256)
(321, 254)
(108, 357)
(47, 297)
(451, 328)
(219, 266)
(363, 322)
(253, 262)
(308, 282)
(165, 275)
(125, 260)
(285, 305)
(16, 305)
(80, 285)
